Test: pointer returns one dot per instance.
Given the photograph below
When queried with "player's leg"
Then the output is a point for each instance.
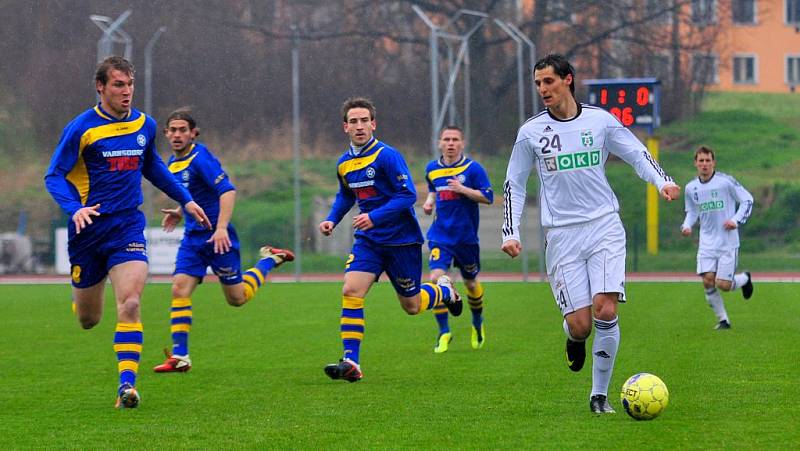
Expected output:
(362, 269)
(727, 279)
(270, 257)
(715, 301)
(439, 264)
(180, 319)
(469, 262)
(89, 273)
(606, 266)
(403, 265)
(88, 303)
(128, 281)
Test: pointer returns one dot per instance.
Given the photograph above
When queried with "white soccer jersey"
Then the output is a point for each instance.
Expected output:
(570, 157)
(714, 202)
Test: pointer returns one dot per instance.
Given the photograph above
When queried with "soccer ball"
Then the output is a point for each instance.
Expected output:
(644, 396)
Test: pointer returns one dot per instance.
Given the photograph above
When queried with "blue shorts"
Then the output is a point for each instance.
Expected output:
(467, 257)
(195, 255)
(403, 264)
(110, 240)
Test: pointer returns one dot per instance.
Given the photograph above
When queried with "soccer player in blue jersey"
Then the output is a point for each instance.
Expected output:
(387, 235)
(193, 165)
(456, 185)
(95, 176)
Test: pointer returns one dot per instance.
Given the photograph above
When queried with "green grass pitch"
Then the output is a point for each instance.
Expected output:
(257, 380)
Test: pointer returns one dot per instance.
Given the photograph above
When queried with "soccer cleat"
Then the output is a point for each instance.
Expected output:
(279, 255)
(747, 288)
(576, 354)
(599, 404)
(724, 324)
(174, 363)
(453, 303)
(443, 343)
(346, 369)
(478, 337)
(127, 397)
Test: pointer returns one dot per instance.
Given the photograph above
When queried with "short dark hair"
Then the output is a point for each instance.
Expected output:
(704, 149)
(451, 127)
(560, 66)
(357, 102)
(113, 62)
(182, 114)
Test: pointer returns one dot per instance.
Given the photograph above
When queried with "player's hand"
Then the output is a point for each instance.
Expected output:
(326, 227)
(172, 217)
(455, 185)
(362, 222)
(512, 248)
(221, 240)
(427, 208)
(83, 217)
(199, 215)
(686, 231)
(670, 191)
(730, 225)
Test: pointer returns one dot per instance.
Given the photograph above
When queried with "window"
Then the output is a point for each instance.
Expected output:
(793, 70)
(744, 69)
(704, 11)
(704, 69)
(793, 12)
(744, 11)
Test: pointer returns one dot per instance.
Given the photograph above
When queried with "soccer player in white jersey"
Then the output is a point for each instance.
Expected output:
(712, 197)
(569, 144)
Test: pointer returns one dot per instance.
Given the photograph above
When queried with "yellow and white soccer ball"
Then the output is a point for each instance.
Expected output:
(644, 396)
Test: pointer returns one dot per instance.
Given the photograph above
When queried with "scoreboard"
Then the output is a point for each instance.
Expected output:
(634, 101)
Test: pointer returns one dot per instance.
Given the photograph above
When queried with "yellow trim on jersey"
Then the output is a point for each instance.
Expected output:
(447, 172)
(102, 114)
(95, 134)
(352, 321)
(79, 177)
(128, 347)
(178, 166)
(358, 163)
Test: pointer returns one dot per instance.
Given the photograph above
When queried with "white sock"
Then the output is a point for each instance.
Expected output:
(604, 351)
(739, 280)
(569, 335)
(717, 304)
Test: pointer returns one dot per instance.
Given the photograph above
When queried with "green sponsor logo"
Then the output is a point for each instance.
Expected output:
(586, 138)
(569, 161)
(712, 205)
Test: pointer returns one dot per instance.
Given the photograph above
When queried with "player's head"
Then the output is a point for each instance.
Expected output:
(451, 142)
(113, 81)
(358, 114)
(554, 77)
(181, 130)
(704, 161)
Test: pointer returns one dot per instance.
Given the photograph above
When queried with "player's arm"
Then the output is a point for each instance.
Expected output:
(404, 196)
(344, 201)
(220, 237)
(514, 191)
(430, 201)
(482, 195)
(63, 192)
(154, 170)
(745, 200)
(212, 174)
(691, 216)
(621, 142)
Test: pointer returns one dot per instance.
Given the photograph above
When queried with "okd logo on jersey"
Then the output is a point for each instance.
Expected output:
(570, 161)
(712, 205)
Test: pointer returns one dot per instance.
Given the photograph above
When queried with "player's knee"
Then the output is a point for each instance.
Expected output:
(235, 301)
(724, 285)
(130, 307)
(88, 321)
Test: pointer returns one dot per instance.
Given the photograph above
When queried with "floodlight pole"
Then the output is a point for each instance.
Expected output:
(148, 70)
(112, 33)
(296, 150)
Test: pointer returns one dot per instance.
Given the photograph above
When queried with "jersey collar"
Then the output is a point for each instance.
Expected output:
(356, 151)
(456, 164)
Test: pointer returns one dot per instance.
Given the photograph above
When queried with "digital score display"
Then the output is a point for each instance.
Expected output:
(634, 101)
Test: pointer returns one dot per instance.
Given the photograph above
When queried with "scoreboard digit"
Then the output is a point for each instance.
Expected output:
(634, 101)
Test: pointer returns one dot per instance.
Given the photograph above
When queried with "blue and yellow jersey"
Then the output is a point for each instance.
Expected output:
(202, 174)
(378, 179)
(101, 159)
(457, 217)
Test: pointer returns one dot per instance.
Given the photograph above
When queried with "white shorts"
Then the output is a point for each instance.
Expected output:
(584, 260)
(719, 261)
